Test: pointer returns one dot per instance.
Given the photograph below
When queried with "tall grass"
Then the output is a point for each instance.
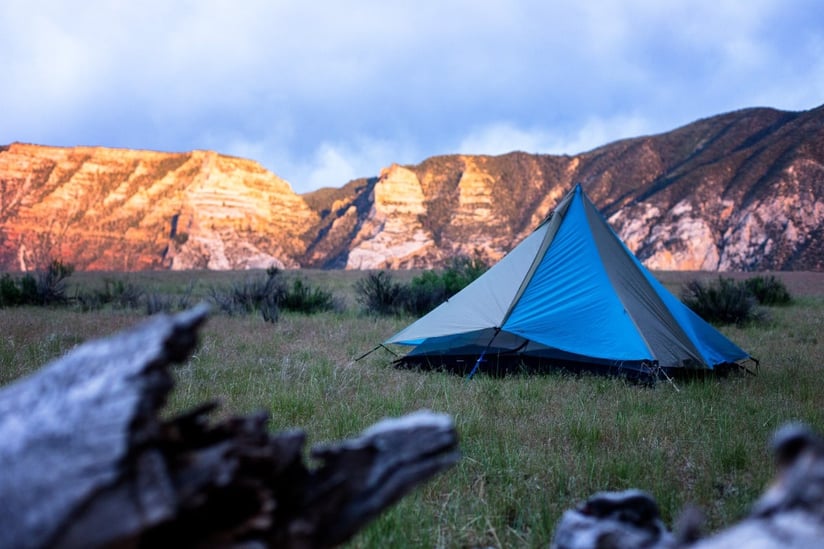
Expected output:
(532, 445)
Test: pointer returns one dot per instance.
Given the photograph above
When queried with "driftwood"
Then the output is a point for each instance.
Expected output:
(627, 519)
(86, 461)
(790, 514)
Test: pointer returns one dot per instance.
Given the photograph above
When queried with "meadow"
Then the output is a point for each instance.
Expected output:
(532, 446)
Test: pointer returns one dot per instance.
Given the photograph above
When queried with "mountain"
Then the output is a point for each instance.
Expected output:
(739, 191)
(736, 191)
(112, 209)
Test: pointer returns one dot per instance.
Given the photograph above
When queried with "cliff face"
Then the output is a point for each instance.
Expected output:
(129, 210)
(739, 191)
(735, 192)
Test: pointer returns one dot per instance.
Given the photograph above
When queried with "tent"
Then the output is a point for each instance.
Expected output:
(570, 295)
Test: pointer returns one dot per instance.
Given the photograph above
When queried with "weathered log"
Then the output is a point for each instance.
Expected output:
(86, 461)
(626, 519)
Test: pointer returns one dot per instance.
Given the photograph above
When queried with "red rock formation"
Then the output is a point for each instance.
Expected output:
(115, 209)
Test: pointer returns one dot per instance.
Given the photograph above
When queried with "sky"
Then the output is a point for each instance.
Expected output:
(322, 92)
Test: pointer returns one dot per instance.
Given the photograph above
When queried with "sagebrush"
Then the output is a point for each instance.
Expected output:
(380, 294)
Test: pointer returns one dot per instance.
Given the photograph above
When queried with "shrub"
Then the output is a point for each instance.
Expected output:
(46, 287)
(164, 303)
(28, 290)
(10, 294)
(379, 294)
(90, 300)
(119, 294)
(430, 289)
(254, 294)
(126, 295)
(424, 293)
(723, 302)
(768, 290)
(158, 303)
(50, 285)
(461, 271)
(301, 297)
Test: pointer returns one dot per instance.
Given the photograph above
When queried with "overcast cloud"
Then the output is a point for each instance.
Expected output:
(323, 92)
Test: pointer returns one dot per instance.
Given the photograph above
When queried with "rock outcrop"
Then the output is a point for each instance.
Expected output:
(392, 234)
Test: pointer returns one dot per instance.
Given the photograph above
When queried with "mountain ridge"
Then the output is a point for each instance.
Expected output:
(735, 191)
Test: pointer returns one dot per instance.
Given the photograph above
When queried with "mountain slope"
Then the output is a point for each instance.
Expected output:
(128, 210)
(732, 192)
(738, 191)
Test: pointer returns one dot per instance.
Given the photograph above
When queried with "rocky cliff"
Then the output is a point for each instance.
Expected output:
(127, 210)
(739, 191)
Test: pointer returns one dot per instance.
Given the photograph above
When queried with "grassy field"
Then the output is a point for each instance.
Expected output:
(532, 446)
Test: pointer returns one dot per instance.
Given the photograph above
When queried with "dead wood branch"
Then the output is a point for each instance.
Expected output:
(86, 460)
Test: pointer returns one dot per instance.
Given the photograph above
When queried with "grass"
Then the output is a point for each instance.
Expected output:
(532, 446)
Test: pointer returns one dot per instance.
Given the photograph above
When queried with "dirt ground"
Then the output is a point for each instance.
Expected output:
(799, 283)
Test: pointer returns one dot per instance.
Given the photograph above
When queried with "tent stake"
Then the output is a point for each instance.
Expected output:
(677, 390)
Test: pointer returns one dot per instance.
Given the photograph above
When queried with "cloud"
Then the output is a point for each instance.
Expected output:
(334, 164)
(330, 164)
(504, 137)
(323, 92)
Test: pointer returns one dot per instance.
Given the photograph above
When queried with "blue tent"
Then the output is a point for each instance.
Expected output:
(570, 295)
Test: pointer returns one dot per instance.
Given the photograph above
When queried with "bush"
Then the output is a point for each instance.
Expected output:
(10, 294)
(379, 294)
(158, 303)
(723, 302)
(768, 290)
(302, 298)
(164, 303)
(254, 294)
(118, 293)
(51, 284)
(46, 287)
(430, 289)
(424, 293)
(28, 290)
(124, 294)
(462, 271)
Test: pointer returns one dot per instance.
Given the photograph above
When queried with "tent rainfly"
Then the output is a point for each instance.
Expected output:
(571, 295)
